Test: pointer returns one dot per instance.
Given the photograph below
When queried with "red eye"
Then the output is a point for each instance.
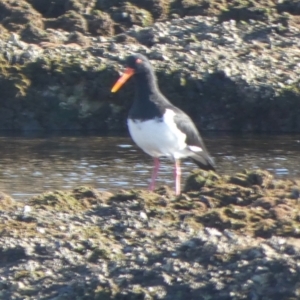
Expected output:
(139, 61)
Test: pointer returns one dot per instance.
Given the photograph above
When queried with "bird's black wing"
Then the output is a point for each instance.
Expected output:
(193, 138)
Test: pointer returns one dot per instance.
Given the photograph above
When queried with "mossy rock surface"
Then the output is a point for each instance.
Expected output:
(128, 240)
(17, 14)
(70, 60)
(66, 14)
(79, 199)
(257, 204)
(252, 202)
(128, 15)
(76, 95)
(101, 23)
(6, 202)
(70, 21)
(68, 101)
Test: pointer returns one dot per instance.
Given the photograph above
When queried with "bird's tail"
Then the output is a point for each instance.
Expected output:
(204, 161)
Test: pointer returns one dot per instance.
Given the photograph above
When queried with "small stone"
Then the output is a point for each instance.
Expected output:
(213, 231)
(41, 230)
(143, 216)
(27, 209)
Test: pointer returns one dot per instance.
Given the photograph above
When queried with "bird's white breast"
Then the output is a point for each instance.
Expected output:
(159, 137)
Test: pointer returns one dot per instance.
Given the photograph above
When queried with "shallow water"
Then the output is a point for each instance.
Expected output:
(35, 163)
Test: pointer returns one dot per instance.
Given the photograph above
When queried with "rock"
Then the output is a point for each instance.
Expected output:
(230, 66)
(4, 33)
(83, 7)
(78, 38)
(16, 15)
(78, 199)
(6, 202)
(247, 178)
(48, 9)
(70, 21)
(12, 254)
(133, 243)
(158, 8)
(128, 15)
(124, 38)
(33, 34)
(100, 23)
(192, 56)
(199, 179)
(105, 5)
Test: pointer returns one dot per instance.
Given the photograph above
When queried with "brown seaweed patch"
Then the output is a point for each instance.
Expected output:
(6, 202)
(251, 202)
(256, 177)
(199, 179)
(144, 195)
(81, 198)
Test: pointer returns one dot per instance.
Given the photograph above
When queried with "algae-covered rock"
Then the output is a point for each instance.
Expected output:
(200, 178)
(56, 13)
(249, 178)
(105, 5)
(48, 9)
(192, 56)
(125, 39)
(290, 6)
(12, 254)
(247, 11)
(56, 200)
(121, 244)
(252, 202)
(33, 34)
(16, 15)
(243, 10)
(6, 202)
(4, 33)
(256, 204)
(124, 196)
(69, 107)
(78, 38)
(91, 195)
(158, 8)
(146, 196)
(79, 199)
(194, 7)
(129, 15)
(100, 23)
(70, 21)
(82, 6)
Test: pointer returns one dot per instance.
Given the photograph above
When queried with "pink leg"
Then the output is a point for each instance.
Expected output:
(154, 174)
(177, 175)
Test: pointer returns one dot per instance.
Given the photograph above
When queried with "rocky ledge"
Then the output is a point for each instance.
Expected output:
(230, 65)
(229, 237)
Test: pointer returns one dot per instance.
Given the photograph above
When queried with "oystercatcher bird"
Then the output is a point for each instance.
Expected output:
(158, 127)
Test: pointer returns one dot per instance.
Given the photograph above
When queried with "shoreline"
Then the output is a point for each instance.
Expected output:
(228, 237)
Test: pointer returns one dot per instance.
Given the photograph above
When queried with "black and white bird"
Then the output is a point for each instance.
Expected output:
(158, 127)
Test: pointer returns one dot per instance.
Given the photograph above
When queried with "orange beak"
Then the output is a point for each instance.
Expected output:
(126, 75)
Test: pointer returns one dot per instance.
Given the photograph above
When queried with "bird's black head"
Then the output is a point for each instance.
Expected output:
(139, 63)
(135, 64)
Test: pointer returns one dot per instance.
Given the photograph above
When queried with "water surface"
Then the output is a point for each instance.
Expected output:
(33, 164)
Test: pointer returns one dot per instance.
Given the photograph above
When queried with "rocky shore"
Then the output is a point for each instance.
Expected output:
(231, 65)
(229, 237)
